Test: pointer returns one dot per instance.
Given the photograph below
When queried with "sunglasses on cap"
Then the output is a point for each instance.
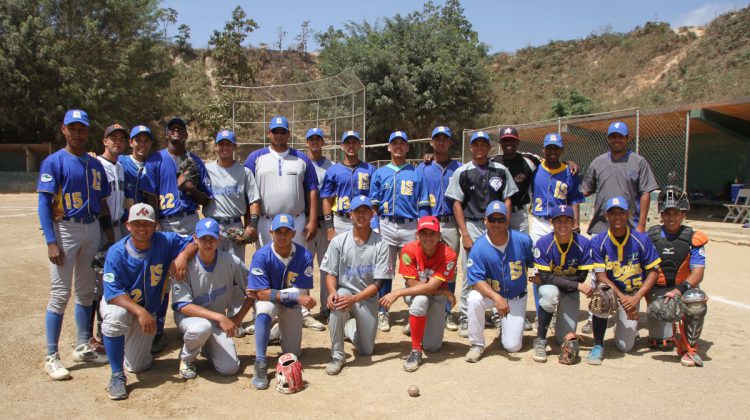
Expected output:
(497, 219)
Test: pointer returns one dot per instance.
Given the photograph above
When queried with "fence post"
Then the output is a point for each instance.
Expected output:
(687, 144)
(638, 131)
(364, 125)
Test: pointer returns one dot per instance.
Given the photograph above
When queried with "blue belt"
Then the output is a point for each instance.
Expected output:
(397, 219)
(83, 220)
(228, 220)
(178, 215)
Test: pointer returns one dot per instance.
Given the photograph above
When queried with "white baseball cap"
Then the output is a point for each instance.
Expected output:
(141, 211)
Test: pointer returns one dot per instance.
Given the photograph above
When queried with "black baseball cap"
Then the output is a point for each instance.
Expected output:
(115, 127)
(509, 132)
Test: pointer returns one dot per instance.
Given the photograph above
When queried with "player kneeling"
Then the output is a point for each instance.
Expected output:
(280, 276)
(683, 261)
(356, 263)
(215, 283)
(626, 263)
(427, 264)
(563, 259)
(495, 269)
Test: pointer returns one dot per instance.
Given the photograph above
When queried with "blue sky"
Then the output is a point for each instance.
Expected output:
(503, 25)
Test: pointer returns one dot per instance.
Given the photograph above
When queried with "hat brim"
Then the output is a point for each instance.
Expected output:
(616, 207)
(178, 121)
(509, 136)
(109, 133)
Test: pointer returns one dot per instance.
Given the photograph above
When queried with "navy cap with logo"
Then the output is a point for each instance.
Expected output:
(509, 133)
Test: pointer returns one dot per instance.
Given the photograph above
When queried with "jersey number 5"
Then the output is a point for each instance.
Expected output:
(73, 200)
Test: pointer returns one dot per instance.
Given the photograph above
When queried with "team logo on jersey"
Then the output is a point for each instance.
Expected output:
(109, 278)
(257, 271)
(469, 263)
(450, 266)
(309, 271)
(46, 178)
(406, 259)
(176, 289)
(537, 252)
(519, 178)
(496, 183)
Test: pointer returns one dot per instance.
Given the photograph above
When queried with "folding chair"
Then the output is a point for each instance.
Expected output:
(736, 211)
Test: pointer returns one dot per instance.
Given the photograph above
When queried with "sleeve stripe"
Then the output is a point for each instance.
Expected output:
(586, 267)
(599, 265)
(542, 267)
(409, 277)
(653, 264)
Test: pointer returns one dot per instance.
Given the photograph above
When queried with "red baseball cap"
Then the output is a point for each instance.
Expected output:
(428, 222)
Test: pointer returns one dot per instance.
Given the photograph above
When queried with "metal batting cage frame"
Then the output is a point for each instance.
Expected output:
(335, 104)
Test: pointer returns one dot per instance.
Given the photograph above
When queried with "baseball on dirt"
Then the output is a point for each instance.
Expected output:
(413, 391)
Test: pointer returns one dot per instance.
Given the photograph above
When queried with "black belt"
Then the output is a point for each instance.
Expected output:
(178, 215)
(271, 218)
(83, 220)
(521, 296)
(397, 219)
(446, 219)
(227, 220)
(473, 219)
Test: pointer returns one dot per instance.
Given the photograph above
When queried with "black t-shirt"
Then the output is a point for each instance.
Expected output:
(521, 167)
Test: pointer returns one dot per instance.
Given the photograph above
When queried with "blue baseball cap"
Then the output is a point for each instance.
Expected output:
(138, 129)
(553, 139)
(282, 220)
(479, 135)
(617, 202)
(441, 129)
(359, 201)
(618, 127)
(350, 133)
(207, 227)
(562, 210)
(278, 121)
(226, 135)
(398, 135)
(176, 120)
(76, 116)
(315, 132)
(496, 207)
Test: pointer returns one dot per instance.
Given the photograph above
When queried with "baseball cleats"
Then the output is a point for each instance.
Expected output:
(260, 375)
(313, 324)
(275, 335)
(587, 328)
(188, 370)
(450, 322)
(384, 323)
(250, 330)
(497, 322)
(412, 362)
(97, 345)
(407, 330)
(84, 353)
(527, 325)
(596, 355)
(334, 367)
(117, 387)
(474, 354)
(690, 359)
(540, 350)
(463, 329)
(239, 332)
(55, 368)
(158, 344)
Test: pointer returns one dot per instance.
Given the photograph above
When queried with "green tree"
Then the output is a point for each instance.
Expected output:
(232, 64)
(166, 17)
(420, 70)
(573, 104)
(182, 39)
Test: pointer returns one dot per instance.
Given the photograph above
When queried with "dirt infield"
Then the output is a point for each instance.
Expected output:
(643, 383)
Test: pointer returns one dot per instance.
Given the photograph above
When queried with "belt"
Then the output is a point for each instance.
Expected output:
(270, 218)
(83, 220)
(178, 215)
(227, 220)
(397, 219)
(342, 213)
(519, 207)
(521, 296)
(446, 219)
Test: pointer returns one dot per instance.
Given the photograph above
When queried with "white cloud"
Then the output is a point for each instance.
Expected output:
(704, 14)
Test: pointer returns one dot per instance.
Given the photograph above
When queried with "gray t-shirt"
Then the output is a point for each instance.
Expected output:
(357, 266)
(629, 177)
(234, 188)
(320, 170)
(214, 290)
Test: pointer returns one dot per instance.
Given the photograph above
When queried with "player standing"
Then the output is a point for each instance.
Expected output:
(74, 183)
(399, 197)
(133, 166)
(521, 166)
(357, 264)
(427, 265)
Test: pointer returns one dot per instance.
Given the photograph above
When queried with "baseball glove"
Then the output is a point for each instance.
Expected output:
(569, 350)
(603, 300)
(98, 262)
(672, 310)
(189, 170)
(289, 374)
(238, 236)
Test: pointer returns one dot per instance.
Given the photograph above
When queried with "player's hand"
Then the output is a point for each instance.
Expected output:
(574, 168)
(307, 301)
(428, 158)
(451, 298)
(535, 280)
(55, 254)
(331, 301)
(388, 300)
(586, 289)
(310, 229)
(330, 233)
(343, 302)
(251, 233)
(147, 322)
(641, 227)
(501, 304)
(632, 315)
(227, 325)
(178, 269)
(674, 293)
(629, 303)
(236, 320)
(184, 183)
(467, 242)
(57, 213)
(252, 294)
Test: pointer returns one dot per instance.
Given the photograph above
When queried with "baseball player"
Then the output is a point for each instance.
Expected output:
(135, 281)
(437, 174)
(683, 262)
(427, 265)
(206, 303)
(75, 184)
(496, 270)
(356, 264)
(344, 181)
(399, 197)
(521, 166)
(627, 261)
(563, 261)
(281, 274)
(133, 166)
(235, 193)
(471, 188)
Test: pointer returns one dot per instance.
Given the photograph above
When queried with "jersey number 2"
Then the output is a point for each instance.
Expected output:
(166, 201)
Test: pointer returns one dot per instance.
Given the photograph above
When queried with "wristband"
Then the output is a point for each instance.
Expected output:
(287, 296)
(273, 295)
(328, 221)
(254, 221)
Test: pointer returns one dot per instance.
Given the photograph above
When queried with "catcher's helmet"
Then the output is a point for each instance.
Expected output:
(673, 197)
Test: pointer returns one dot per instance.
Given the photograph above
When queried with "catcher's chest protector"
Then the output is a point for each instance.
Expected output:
(672, 252)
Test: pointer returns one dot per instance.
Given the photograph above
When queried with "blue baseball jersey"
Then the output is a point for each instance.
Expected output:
(625, 263)
(437, 178)
(75, 182)
(141, 275)
(161, 180)
(134, 176)
(554, 187)
(399, 191)
(344, 183)
(549, 255)
(505, 271)
(267, 271)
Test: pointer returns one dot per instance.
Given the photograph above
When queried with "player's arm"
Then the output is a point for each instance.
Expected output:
(146, 321)
(290, 295)
(105, 221)
(645, 203)
(44, 209)
(312, 222)
(223, 321)
(500, 302)
(152, 200)
(252, 217)
(178, 268)
(328, 217)
(199, 196)
(413, 288)
(458, 214)
(576, 217)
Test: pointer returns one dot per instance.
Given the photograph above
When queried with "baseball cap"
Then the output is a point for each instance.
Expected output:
(207, 227)
(509, 132)
(398, 135)
(141, 211)
(138, 129)
(617, 202)
(479, 135)
(76, 116)
(226, 135)
(428, 222)
(278, 121)
(441, 129)
(359, 201)
(315, 132)
(618, 127)
(562, 210)
(282, 220)
(114, 127)
(176, 120)
(496, 207)
(553, 139)
(350, 133)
